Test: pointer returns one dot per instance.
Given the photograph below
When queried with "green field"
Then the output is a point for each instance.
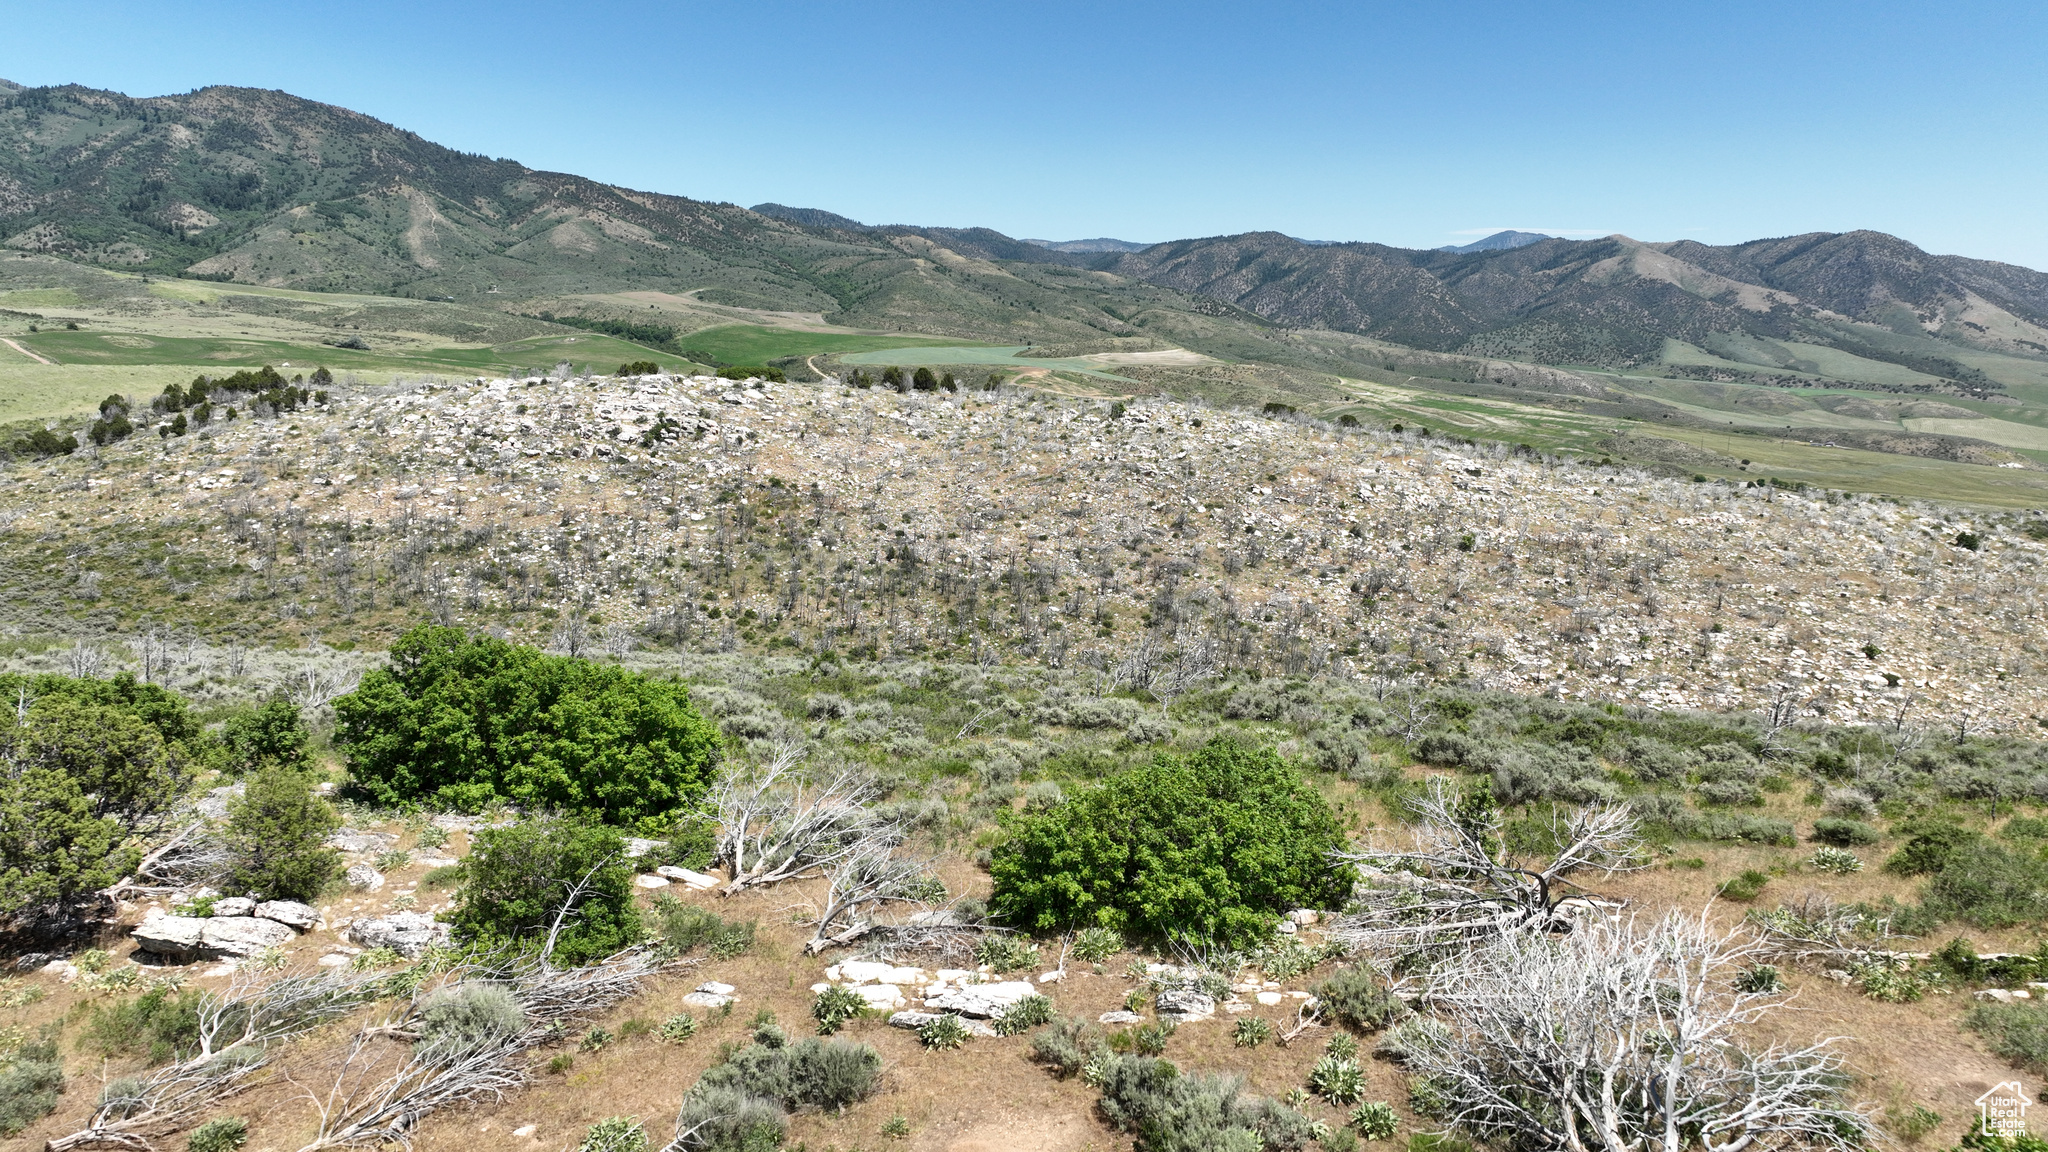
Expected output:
(758, 344)
(1007, 357)
(92, 365)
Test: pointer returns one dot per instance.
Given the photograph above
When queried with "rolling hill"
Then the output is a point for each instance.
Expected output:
(1564, 342)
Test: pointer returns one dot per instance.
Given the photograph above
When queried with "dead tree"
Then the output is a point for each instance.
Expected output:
(863, 884)
(776, 824)
(1457, 882)
(384, 1086)
(236, 1032)
(1622, 1038)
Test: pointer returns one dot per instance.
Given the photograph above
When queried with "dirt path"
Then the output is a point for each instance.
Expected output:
(25, 352)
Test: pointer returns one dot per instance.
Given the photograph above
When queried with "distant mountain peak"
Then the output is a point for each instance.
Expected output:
(1499, 240)
(1098, 244)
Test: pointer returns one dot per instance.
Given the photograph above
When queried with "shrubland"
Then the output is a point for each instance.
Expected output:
(1109, 760)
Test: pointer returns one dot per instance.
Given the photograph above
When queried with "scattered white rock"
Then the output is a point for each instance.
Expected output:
(1305, 916)
(234, 906)
(290, 913)
(525, 1130)
(358, 840)
(1998, 994)
(334, 960)
(364, 878)
(174, 937)
(1186, 1007)
(983, 1000)
(820, 986)
(1119, 1017)
(1269, 998)
(715, 988)
(1052, 977)
(241, 936)
(696, 880)
(651, 881)
(707, 1000)
(409, 934)
(64, 970)
(881, 997)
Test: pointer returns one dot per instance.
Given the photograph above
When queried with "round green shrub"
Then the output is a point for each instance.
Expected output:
(833, 1007)
(1375, 1121)
(467, 721)
(225, 1134)
(1209, 848)
(616, 1134)
(943, 1034)
(466, 1020)
(516, 880)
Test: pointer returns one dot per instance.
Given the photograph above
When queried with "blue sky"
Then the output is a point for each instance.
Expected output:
(1413, 124)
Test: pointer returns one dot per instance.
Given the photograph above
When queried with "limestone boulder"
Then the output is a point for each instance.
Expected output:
(240, 936)
(409, 934)
(290, 913)
(981, 1000)
(234, 906)
(174, 937)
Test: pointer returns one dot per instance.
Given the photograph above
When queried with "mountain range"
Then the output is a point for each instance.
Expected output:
(267, 188)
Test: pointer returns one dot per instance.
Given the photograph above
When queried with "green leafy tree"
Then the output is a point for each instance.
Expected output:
(562, 876)
(1210, 847)
(278, 834)
(274, 734)
(89, 765)
(924, 381)
(468, 721)
(892, 377)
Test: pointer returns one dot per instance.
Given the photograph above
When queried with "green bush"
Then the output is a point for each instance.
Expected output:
(277, 837)
(1172, 1112)
(225, 1134)
(1359, 999)
(726, 1118)
(160, 1023)
(687, 927)
(1025, 1014)
(1929, 843)
(1836, 861)
(1988, 885)
(273, 736)
(90, 765)
(1250, 1032)
(1760, 978)
(617, 1133)
(811, 1073)
(469, 721)
(1375, 1121)
(2018, 1032)
(1337, 1080)
(833, 1007)
(29, 1086)
(942, 1034)
(677, 1028)
(1211, 847)
(1746, 887)
(1098, 943)
(466, 1020)
(517, 880)
(1844, 833)
(1066, 1046)
(1005, 954)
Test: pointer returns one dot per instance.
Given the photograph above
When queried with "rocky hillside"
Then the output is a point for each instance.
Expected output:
(1011, 525)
